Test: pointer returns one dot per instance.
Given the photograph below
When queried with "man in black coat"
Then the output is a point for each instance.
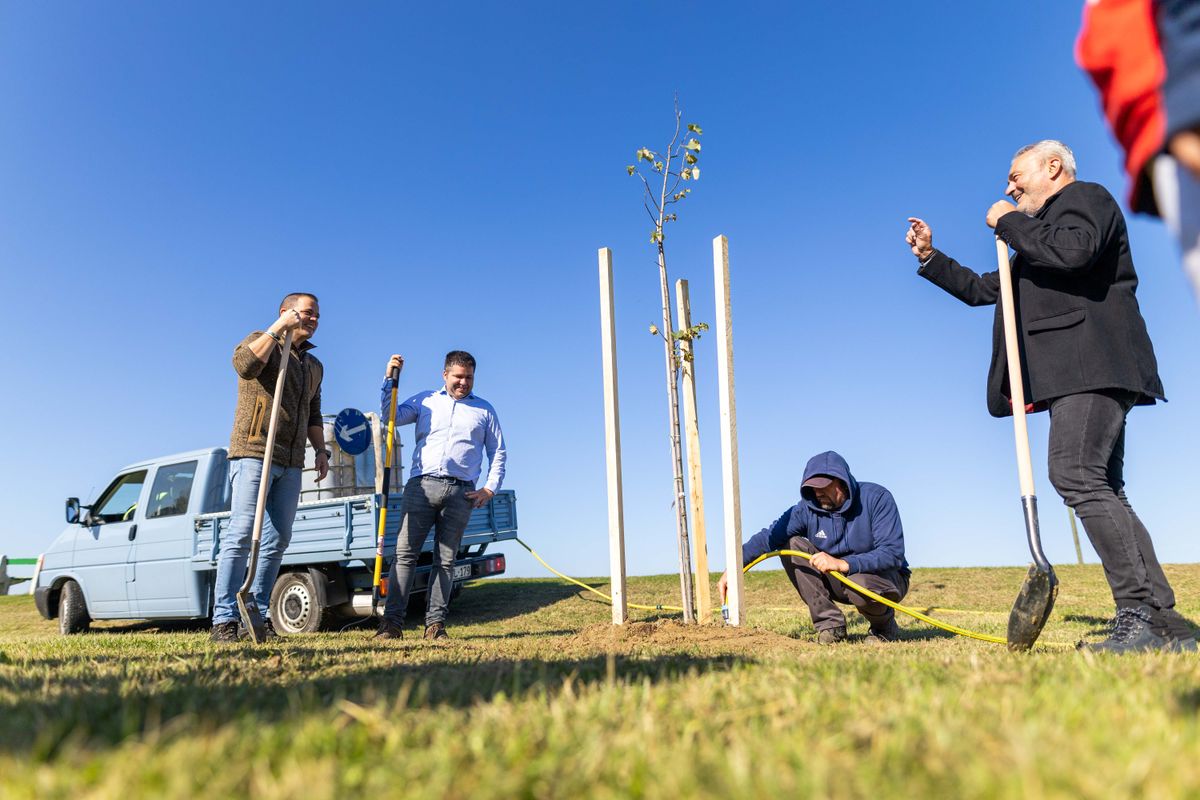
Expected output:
(1086, 357)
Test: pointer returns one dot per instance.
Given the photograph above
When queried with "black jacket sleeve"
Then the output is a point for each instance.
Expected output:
(1075, 239)
(964, 283)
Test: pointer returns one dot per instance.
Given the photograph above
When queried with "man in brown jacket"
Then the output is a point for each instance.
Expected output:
(256, 360)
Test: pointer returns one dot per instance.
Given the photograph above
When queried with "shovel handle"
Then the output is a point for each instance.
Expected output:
(264, 483)
(1016, 383)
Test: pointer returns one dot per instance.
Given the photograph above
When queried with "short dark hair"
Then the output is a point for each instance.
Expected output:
(460, 357)
(289, 301)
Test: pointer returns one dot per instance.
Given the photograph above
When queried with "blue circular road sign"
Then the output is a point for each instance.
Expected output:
(352, 431)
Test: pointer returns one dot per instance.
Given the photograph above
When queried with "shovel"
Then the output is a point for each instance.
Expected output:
(252, 617)
(1032, 606)
(377, 582)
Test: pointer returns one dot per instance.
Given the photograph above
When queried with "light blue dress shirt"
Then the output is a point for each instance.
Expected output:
(452, 435)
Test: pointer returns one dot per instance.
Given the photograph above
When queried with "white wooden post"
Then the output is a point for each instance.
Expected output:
(691, 428)
(612, 442)
(730, 482)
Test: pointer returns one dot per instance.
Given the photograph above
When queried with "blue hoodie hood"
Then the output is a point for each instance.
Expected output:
(833, 465)
(865, 532)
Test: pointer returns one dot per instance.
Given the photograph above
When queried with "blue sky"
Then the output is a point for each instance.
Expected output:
(442, 177)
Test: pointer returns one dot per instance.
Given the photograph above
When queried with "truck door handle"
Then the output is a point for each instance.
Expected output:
(133, 532)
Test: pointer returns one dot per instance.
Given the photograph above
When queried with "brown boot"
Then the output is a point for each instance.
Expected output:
(832, 635)
(389, 630)
(436, 631)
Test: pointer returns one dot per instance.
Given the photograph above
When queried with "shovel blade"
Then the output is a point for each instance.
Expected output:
(252, 618)
(1031, 608)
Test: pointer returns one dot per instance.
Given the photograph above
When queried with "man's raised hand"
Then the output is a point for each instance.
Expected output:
(998, 210)
(394, 365)
(289, 320)
(919, 238)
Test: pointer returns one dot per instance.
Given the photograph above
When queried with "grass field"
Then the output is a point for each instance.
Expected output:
(538, 696)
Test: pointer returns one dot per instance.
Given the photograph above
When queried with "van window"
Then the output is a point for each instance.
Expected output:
(119, 500)
(171, 490)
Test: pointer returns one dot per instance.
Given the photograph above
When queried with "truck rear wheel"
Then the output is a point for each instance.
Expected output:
(296, 604)
(72, 610)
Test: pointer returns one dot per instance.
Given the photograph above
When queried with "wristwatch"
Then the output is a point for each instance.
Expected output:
(328, 453)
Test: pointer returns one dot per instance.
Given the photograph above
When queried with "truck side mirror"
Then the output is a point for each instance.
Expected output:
(72, 510)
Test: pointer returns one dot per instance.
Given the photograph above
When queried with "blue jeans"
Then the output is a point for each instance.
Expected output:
(283, 495)
(428, 501)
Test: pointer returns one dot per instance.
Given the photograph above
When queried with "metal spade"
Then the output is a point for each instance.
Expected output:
(252, 617)
(1032, 606)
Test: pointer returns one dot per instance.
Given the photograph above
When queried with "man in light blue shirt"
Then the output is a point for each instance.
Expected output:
(454, 430)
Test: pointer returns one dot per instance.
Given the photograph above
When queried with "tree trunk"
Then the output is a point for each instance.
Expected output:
(681, 526)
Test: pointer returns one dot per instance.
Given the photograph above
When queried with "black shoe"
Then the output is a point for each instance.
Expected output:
(1182, 644)
(1131, 633)
(224, 632)
(269, 631)
(436, 631)
(389, 630)
(886, 633)
(832, 635)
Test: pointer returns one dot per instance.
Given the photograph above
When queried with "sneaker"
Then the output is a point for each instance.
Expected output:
(224, 632)
(436, 631)
(887, 633)
(832, 635)
(389, 630)
(1131, 633)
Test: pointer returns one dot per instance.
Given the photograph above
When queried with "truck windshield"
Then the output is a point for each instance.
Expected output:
(119, 500)
(171, 490)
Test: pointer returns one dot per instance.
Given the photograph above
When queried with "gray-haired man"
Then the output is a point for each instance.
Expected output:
(1086, 358)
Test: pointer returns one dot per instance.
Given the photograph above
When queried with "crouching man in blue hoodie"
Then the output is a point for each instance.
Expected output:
(848, 527)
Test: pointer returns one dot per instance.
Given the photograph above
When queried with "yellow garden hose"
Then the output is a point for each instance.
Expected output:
(912, 612)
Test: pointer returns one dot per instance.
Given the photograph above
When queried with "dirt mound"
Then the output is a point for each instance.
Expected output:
(673, 635)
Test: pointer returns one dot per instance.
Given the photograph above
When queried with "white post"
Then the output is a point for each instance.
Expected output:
(612, 442)
(730, 482)
(691, 429)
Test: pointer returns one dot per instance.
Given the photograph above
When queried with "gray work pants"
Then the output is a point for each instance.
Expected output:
(429, 503)
(822, 593)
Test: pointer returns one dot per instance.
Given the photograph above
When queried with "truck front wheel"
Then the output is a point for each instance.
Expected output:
(72, 610)
(296, 605)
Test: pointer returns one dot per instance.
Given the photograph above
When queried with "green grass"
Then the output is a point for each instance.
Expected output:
(537, 696)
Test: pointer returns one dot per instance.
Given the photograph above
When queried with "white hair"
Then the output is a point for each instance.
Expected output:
(1051, 148)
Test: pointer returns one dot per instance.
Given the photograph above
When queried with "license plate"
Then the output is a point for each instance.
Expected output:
(462, 571)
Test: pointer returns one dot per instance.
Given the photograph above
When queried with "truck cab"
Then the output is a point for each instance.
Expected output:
(128, 553)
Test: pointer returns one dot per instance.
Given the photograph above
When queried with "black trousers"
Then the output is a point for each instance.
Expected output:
(1087, 461)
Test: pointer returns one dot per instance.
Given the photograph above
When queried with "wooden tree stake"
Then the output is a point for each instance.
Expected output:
(691, 429)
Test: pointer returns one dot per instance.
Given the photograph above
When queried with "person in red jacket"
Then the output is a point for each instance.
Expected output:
(1144, 58)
